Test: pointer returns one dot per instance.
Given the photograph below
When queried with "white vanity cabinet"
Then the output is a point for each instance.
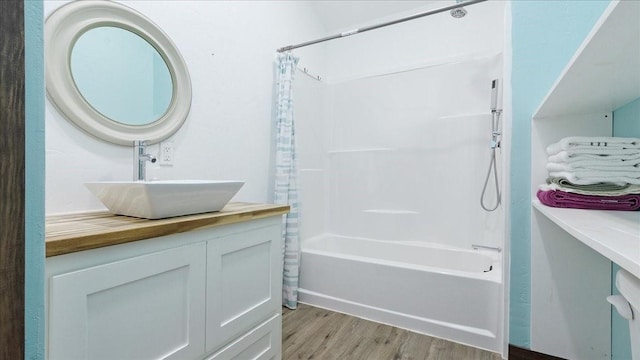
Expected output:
(212, 293)
(144, 307)
(243, 284)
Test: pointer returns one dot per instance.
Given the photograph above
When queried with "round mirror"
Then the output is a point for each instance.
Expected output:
(121, 75)
(114, 73)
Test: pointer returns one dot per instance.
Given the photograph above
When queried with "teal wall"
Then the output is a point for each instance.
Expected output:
(626, 120)
(626, 123)
(545, 35)
(34, 171)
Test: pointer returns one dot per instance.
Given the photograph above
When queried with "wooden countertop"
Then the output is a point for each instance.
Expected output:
(89, 230)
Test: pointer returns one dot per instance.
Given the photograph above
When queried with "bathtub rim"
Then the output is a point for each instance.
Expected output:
(495, 275)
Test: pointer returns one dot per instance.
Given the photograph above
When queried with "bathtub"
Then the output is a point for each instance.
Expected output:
(454, 294)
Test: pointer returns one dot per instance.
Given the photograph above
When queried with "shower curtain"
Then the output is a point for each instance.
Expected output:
(286, 176)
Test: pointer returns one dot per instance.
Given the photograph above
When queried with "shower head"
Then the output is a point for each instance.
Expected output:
(458, 12)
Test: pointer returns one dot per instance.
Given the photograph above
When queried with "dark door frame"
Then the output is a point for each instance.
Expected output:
(12, 179)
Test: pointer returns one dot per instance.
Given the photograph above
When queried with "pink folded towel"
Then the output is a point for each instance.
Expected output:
(562, 199)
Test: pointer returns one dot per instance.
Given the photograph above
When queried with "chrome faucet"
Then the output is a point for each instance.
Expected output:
(140, 159)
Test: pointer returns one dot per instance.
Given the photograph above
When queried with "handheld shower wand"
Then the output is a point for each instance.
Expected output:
(495, 115)
(494, 95)
(495, 143)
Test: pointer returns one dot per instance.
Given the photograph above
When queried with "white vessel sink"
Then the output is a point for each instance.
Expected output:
(162, 199)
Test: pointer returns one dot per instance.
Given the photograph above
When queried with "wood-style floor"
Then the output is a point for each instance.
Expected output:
(313, 333)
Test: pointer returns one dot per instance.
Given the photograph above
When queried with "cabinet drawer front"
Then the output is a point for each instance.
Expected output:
(144, 307)
(244, 283)
(262, 343)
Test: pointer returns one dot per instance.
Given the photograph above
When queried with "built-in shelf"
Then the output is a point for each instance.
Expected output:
(570, 279)
(613, 234)
(604, 73)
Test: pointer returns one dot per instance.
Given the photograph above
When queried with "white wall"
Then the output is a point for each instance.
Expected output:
(229, 47)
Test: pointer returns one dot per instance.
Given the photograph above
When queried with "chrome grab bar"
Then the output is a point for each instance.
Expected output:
(494, 248)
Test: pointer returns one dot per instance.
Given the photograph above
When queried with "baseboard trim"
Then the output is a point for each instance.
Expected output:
(518, 353)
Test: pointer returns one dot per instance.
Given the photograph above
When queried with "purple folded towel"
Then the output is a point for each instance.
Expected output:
(562, 199)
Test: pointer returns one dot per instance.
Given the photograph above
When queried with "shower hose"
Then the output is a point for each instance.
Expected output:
(495, 143)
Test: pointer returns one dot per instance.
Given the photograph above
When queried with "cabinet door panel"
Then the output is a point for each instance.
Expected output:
(262, 343)
(144, 307)
(243, 286)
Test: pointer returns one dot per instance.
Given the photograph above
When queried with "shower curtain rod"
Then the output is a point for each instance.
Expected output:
(373, 27)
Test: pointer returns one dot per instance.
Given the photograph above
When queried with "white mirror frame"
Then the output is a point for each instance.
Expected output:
(62, 30)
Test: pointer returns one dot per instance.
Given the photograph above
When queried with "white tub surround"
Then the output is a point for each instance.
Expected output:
(403, 161)
(440, 291)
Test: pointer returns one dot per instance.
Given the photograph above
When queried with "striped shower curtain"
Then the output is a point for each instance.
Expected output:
(286, 175)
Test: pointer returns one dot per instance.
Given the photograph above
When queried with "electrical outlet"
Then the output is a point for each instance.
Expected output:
(166, 153)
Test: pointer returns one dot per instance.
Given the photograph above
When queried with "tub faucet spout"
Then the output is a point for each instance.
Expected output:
(140, 159)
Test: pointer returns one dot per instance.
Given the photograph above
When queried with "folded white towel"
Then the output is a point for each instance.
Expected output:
(587, 142)
(579, 156)
(631, 189)
(595, 165)
(588, 177)
(606, 164)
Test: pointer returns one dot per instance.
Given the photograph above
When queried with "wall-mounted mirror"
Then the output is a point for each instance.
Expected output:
(121, 75)
(114, 73)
